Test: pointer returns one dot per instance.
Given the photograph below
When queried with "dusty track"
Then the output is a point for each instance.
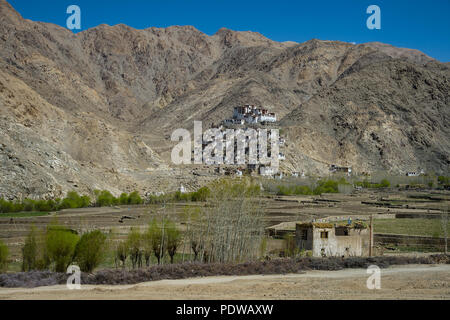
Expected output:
(399, 282)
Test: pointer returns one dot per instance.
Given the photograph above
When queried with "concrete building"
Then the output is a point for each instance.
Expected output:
(415, 173)
(328, 240)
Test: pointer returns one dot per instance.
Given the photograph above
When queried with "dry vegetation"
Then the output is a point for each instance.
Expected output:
(190, 270)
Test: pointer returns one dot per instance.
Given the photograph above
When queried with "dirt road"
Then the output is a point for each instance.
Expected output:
(400, 282)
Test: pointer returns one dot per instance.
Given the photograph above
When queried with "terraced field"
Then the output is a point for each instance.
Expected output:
(278, 209)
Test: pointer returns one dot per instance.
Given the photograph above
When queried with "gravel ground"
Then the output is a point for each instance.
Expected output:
(397, 282)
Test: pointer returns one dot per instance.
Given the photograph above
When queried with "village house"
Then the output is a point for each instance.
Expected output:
(267, 171)
(414, 173)
(331, 240)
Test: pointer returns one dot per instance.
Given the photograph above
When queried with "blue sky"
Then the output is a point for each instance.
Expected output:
(422, 25)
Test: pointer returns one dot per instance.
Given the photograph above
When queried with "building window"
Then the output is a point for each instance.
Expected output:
(324, 234)
(341, 231)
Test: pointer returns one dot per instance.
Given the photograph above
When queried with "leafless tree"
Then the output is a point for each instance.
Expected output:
(230, 227)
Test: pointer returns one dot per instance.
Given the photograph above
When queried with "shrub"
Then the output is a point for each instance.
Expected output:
(17, 206)
(290, 249)
(89, 251)
(162, 198)
(443, 180)
(179, 196)
(29, 252)
(72, 200)
(5, 206)
(366, 184)
(201, 194)
(4, 252)
(297, 190)
(134, 242)
(189, 270)
(60, 244)
(155, 233)
(105, 198)
(123, 199)
(85, 202)
(173, 239)
(303, 190)
(147, 247)
(134, 198)
(326, 186)
(385, 183)
(42, 206)
(283, 191)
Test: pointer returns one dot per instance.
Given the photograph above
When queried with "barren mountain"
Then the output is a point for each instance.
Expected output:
(95, 110)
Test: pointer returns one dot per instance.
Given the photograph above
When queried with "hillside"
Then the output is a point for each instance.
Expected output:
(95, 110)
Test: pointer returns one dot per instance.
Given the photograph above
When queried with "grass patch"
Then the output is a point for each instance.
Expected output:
(23, 214)
(416, 227)
(409, 249)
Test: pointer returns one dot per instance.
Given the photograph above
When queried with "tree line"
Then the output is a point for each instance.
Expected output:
(103, 198)
(228, 229)
(71, 201)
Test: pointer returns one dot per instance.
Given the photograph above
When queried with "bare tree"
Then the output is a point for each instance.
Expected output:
(147, 247)
(121, 253)
(230, 227)
(173, 239)
(155, 232)
(134, 242)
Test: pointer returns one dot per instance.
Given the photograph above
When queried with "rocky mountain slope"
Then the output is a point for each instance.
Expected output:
(96, 109)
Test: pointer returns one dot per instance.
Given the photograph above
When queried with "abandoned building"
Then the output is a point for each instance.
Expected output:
(330, 240)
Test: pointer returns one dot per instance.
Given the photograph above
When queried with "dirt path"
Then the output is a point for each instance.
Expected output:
(401, 282)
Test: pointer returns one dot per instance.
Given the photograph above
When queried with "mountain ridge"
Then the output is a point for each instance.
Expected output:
(102, 103)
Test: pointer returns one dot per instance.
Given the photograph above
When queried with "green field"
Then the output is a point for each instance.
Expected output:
(418, 227)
